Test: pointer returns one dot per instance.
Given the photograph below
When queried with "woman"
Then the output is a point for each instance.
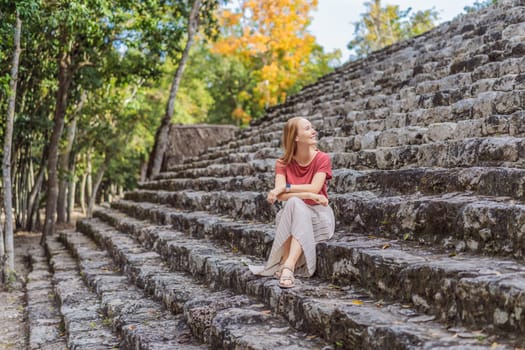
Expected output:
(301, 176)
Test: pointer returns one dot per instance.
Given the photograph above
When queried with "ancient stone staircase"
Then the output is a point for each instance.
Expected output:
(427, 144)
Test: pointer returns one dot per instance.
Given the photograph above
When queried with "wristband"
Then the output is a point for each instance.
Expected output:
(288, 187)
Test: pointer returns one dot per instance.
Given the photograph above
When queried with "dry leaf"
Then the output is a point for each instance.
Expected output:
(386, 246)
(357, 302)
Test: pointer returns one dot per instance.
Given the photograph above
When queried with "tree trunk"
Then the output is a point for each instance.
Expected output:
(64, 169)
(161, 136)
(33, 202)
(2, 253)
(24, 186)
(72, 185)
(71, 199)
(143, 170)
(89, 185)
(6, 164)
(65, 75)
(98, 180)
(82, 198)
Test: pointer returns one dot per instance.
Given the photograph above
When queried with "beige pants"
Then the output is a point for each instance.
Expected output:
(309, 225)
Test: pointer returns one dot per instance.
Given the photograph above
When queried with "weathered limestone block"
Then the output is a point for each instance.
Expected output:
(470, 129)
(455, 81)
(369, 140)
(505, 83)
(469, 64)
(336, 144)
(201, 312)
(395, 120)
(412, 135)
(482, 85)
(510, 102)
(464, 109)
(406, 104)
(365, 126)
(496, 124)
(517, 123)
(442, 131)
(484, 104)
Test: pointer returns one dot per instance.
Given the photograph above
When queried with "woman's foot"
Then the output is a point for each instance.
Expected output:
(286, 279)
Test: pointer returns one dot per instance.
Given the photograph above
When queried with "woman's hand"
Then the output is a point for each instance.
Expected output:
(320, 199)
(273, 194)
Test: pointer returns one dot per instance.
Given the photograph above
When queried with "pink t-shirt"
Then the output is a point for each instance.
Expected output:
(299, 175)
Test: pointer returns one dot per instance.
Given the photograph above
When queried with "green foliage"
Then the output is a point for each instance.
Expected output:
(122, 56)
(383, 26)
(478, 5)
(220, 81)
(225, 78)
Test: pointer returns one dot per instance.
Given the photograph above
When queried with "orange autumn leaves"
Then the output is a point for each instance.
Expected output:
(270, 38)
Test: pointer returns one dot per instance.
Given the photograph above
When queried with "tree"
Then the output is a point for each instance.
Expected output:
(78, 44)
(383, 26)
(22, 9)
(161, 137)
(82, 49)
(9, 267)
(270, 39)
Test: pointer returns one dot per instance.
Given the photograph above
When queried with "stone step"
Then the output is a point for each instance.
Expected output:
(423, 105)
(490, 225)
(219, 318)
(407, 60)
(453, 287)
(313, 304)
(488, 84)
(218, 158)
(80, 307)
(372, 135)
(394, 129)
(261, 182)
(257, 138)
(488, 181)
(45, 324)
(141, 323)
(456, 103)
(227, 169)
(488, 151)
(242, 205)
(502, 73)
(504, 151)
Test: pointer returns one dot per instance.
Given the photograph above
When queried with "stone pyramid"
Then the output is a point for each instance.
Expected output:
(427, 140)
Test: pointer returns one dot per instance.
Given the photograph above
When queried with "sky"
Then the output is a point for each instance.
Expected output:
(333, 20)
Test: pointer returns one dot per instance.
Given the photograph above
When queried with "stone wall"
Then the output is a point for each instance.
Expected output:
(191, 140)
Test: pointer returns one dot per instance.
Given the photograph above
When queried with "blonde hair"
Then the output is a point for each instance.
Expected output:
(288, 142)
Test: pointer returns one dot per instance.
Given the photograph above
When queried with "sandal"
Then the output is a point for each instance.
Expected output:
(286, 280)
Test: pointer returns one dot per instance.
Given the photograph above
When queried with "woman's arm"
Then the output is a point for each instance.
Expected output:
(280, 186)
(318, 198)
(314, 187)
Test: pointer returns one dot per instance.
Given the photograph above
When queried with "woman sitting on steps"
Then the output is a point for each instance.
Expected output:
(301, 176)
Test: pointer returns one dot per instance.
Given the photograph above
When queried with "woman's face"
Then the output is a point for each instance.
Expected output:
(306, 134)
